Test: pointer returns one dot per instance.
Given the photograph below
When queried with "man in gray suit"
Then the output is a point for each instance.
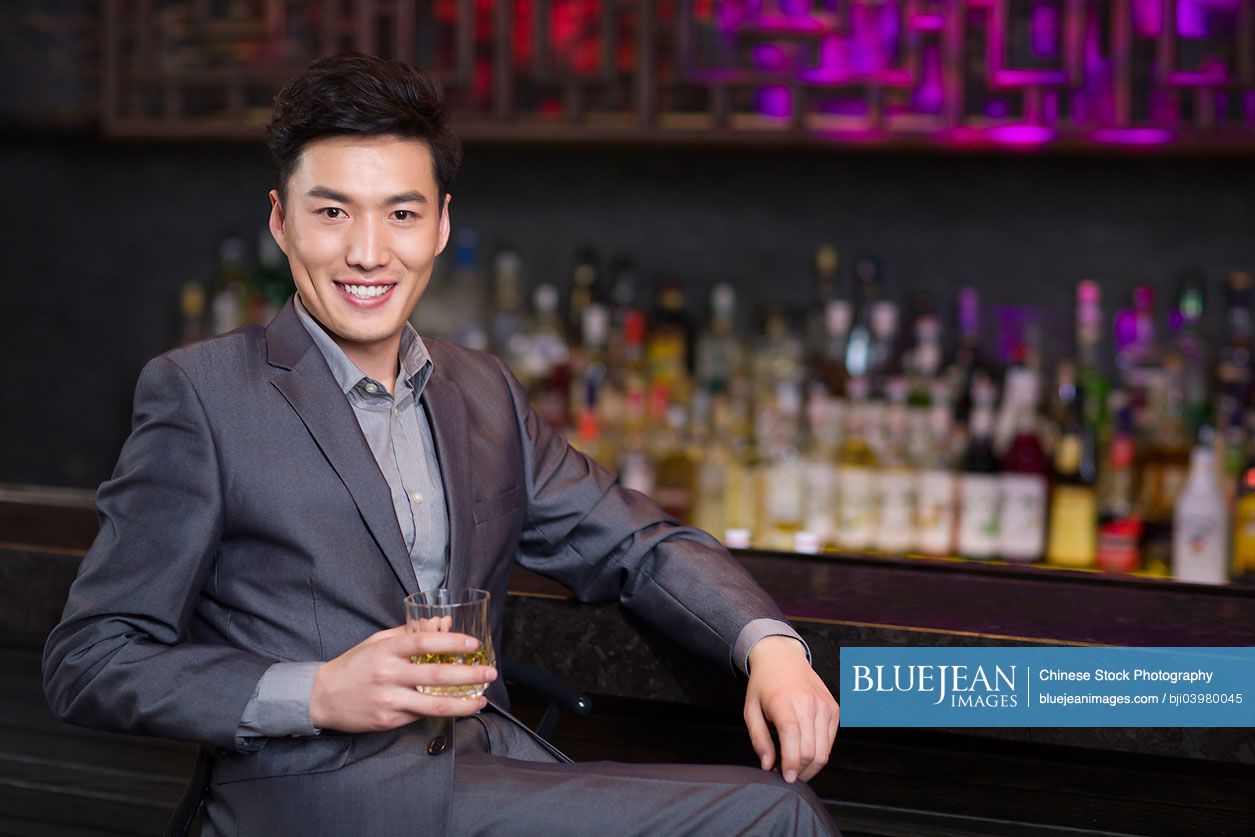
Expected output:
(283, 489)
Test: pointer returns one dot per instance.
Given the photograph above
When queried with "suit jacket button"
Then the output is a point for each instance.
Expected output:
(437, 745)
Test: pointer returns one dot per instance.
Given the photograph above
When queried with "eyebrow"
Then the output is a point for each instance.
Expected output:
(339, 197)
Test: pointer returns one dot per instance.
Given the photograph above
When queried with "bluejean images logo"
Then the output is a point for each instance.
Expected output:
(1047, 686)
(960, 686)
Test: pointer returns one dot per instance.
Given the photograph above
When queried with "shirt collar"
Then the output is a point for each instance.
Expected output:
(415, 365)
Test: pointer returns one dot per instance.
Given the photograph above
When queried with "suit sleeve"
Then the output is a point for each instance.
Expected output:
(120, 659)
(606, 543)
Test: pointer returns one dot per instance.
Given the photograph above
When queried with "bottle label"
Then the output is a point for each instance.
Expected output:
(1198, 548)
(978, 515)
(1073, 526)
(784, 494)
(1022, 520)
(820, 502)
(896, 495)
(856, 504)
(934, 513)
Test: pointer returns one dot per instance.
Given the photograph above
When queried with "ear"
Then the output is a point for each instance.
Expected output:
(277, 219)
(444, 225)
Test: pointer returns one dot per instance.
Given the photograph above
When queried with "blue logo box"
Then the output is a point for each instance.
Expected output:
(1052, 686)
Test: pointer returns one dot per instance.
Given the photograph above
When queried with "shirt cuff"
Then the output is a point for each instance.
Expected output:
(280, 703)
(760, 629)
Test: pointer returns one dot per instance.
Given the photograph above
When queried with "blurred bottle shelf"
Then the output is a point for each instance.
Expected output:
(996, 75)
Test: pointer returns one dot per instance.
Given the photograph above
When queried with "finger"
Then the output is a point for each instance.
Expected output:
(444, 674)
(430, 623)
(760, 735)
(790, 734)
(423, 705)
(805, 711)
(823, 745)
(434, 642)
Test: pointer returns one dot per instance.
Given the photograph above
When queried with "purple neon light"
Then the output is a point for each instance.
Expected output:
(775, 101)
(1044, 29)
(864, 43)
(1133, 136)
(1191, 19)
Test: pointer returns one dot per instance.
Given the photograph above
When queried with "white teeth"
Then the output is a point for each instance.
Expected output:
(366, 291)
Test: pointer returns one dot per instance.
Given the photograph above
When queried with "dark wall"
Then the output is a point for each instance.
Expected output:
(101, 237)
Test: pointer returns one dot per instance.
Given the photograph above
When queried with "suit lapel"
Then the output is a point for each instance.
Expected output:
(307, 384)
(446, 408)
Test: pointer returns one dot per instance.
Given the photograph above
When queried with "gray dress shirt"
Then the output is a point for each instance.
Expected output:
(399, 435)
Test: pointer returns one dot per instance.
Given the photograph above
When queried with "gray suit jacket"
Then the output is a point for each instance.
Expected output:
(247, 523)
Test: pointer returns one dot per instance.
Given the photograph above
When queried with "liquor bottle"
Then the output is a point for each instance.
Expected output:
(592, 391)
(1200, 526)
(882, 360)
(1073, 534)
(969, 359)
(719, 352)
(820, 500)
(623, 307)
(1244, 519)
(856, 465)
(230, 295)
(978, 480)
(867, 288)
(1139, 360)
(584, 292)
(675, 470)
(829, 369)
(826, 292)
(1120, 528)
(669, 341)
(1089, 376)
(1024, 482)
(925, 360)
(784, 485)
(937, 484)
(778, 358)
(1191, 351)
(896, 478)
(191, 313)
(509, 330)
(710, 510)
(1233, 372)
(546, 365)
(452, 308)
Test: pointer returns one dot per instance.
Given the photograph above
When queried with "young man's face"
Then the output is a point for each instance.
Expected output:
(361, 229)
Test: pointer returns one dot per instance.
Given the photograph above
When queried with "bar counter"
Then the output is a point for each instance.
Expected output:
(651, 700)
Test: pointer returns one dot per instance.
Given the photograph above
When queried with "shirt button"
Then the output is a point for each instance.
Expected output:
(372, 388)
(417, 497)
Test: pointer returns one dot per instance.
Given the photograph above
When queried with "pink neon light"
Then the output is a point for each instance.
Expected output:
(1021, 134)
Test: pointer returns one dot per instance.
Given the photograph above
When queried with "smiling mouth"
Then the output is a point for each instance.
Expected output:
(366, 291)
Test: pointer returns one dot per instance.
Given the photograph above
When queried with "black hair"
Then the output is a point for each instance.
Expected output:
(354, 94)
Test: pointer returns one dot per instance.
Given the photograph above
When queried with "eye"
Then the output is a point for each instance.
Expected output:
(333, 212)
(405, 215)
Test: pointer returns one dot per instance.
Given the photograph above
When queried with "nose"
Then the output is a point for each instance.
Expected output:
(368, 244)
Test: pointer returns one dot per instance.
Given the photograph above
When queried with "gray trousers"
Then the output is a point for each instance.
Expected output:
(504, 783)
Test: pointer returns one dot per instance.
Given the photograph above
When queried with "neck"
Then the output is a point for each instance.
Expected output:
(378, 360)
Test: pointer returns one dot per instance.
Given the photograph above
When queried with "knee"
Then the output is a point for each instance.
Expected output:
(794, 809)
